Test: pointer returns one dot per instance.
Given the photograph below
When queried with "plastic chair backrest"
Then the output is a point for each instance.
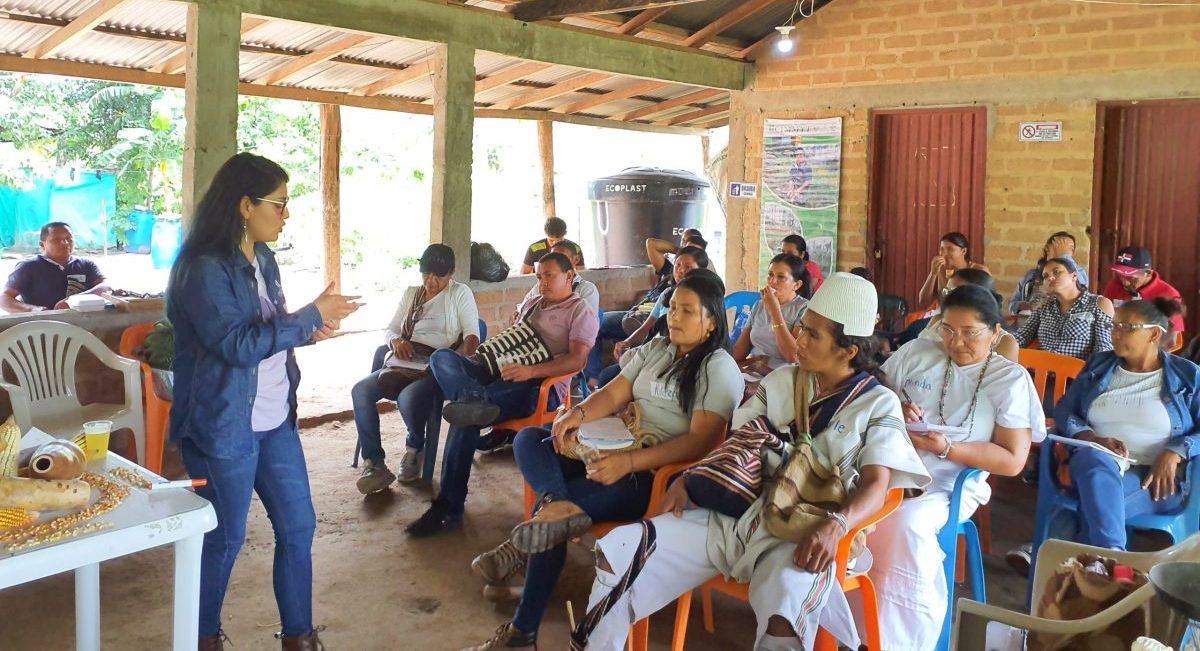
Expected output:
(42, 356)
(132, 338)
(1042, 363)
(740, 303)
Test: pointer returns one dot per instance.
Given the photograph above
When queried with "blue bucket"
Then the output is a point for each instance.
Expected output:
(165, 242)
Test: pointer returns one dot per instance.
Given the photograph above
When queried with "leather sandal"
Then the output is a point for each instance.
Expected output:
(555, 523)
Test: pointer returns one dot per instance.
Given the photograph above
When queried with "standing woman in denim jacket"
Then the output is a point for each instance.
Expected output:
(1138, 401)
(234, 413)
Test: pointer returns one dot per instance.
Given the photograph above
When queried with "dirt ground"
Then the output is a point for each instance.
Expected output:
(377, 589)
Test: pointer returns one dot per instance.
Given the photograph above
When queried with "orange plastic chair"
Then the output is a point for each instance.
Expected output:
(158, 411)
(542, 414)
(825, 641)
(1176, 343)
(1043, 363)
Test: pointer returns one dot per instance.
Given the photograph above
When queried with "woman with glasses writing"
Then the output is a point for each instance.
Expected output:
(1007, 345)
(966, 407)
(1070, 320)
(234, 413)
(1139, 402)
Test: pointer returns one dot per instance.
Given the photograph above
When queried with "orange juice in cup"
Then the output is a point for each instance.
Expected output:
(95, 439)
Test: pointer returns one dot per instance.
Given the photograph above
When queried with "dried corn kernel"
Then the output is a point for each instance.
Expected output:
(10, 518)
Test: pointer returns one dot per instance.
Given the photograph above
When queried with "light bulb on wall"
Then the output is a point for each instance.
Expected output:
(784, 44)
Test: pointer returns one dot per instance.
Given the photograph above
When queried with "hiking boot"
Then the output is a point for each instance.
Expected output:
(498, 565)
(435, 520)
(410, 465)
(555, 523)
(213, 642)
(503, 594)
(306, 642)
(375, 477)
(507, 637)
(496, 440)
(471, 413)
(1020, 558)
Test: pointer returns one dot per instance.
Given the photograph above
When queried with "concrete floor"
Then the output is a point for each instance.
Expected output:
(378, 589)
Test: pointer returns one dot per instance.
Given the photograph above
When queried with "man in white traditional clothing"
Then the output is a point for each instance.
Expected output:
(857, 435)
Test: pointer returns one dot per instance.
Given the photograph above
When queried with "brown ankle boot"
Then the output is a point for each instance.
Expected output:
(309, 641)
(212, 642)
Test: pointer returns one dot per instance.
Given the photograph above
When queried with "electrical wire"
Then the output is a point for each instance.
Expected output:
(799, 7)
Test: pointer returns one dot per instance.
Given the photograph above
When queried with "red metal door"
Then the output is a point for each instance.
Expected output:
(926, 180)
(1147, 190)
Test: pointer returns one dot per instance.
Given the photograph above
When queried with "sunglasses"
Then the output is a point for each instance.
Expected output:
(1130, 327)
(280, 204)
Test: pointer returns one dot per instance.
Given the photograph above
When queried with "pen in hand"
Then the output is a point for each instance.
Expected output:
(908, 398)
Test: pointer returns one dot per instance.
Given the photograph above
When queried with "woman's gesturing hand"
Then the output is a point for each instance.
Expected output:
(335, 307)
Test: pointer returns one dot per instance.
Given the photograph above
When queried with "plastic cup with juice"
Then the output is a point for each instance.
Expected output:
(95, 439)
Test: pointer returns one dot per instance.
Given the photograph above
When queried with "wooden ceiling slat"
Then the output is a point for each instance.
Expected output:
(667, 105)
(78, 27)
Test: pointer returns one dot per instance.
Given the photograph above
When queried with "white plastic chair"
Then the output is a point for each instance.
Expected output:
(972, 617)
(42, 357)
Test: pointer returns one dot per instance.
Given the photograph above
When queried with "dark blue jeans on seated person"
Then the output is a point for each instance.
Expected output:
(276, 471)
(465, 379)
(609, 374)
(548, 473)
(416, 403)
(610, 326)
(1107, 499)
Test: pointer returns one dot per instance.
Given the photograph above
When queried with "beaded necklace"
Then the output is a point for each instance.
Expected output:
(969, 421)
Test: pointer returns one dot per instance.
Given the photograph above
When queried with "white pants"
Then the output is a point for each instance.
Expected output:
(908, 573)
(680, 564)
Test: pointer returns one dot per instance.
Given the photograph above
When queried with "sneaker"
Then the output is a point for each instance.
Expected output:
(555, 523)
(435, 520)
(500, 564)
(503, 594)
(471, 413)
(496, 440)
(375, 477)
(410, 465)
(507, 637)
(1020, 558)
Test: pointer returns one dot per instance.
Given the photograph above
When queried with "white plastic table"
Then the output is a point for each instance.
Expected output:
(144, 520)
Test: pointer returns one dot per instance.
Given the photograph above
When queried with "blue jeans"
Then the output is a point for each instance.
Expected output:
(1107, 499)
(465, 379)
(609, 374)
(416, 402)
(277, 472)
(561, 478)
(611, 328)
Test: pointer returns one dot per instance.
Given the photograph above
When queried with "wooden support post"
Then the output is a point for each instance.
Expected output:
(741, 238)
(210, 97)
(331, 192)
(546, 153)
(453, 133)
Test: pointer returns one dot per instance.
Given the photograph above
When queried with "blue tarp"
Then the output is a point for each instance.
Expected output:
(83, 203)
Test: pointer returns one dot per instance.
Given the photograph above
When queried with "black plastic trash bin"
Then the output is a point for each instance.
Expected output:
(642, 202)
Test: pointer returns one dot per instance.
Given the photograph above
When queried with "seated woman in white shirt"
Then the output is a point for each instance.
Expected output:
(769, 339)
(1138, 401)
(994, 410)
(1007, 345)
(856, 426)
(438, 313)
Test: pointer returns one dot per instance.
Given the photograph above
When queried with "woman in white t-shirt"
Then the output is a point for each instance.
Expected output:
(1139, 402)
(769, 339)
(438, 313)
(992, 407)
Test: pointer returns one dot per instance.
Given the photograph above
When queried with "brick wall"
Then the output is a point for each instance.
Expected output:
(1025, 60)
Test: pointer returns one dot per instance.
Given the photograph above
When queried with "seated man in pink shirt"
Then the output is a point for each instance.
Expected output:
(1136, 279)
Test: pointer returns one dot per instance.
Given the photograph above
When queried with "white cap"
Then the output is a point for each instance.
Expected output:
(849, 300)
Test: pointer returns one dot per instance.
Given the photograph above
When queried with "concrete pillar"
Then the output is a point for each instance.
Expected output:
(546, 155)
(453, 133)
(211, 96)
(741, 243)
(331, 192)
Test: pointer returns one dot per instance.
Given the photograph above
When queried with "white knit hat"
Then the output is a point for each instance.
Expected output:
(849, 300)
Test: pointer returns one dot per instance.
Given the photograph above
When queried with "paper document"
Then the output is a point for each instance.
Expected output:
(606, 434)
(1080, 443)
(418, 362)
(946, 430)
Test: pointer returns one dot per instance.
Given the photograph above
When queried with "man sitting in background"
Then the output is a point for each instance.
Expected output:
(556, 231)
(45, 280)
(1136, 279)
(586, 289)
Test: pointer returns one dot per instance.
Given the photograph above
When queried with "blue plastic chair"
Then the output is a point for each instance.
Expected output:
(433, 429)
(1053, 499)
(740, 303)
(948, 540)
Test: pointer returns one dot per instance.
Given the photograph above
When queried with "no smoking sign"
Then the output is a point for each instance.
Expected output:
(1040, 132)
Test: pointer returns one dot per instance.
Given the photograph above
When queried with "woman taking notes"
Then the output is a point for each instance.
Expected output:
(234, 414)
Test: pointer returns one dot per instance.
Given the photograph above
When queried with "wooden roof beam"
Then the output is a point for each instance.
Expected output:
(731, 18)
(318, 56)
(641, 20)
(62, 37)
(509, 75)
(662, 107)
(531, 10)
(557, 90)
(399, 78)
(177, 62)
(701, 116)
(613, 96)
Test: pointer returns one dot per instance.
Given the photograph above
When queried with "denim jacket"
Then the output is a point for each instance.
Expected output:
(220, 338)
(1181, 379)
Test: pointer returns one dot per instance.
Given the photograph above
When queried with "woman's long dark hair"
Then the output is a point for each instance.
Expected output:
(687, 369)
(870, 354)
(800, 243)
(959, 240)
(979, 278)
(978, 300)
(799, 271)
(217, 227)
